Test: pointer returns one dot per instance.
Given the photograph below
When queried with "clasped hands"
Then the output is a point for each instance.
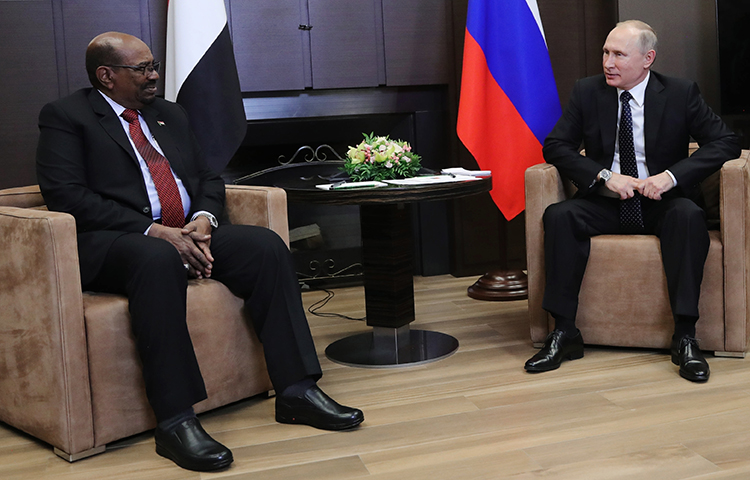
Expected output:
(193, 242)
(652, 187)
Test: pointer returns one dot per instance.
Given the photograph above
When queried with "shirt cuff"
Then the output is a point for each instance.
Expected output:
(674, 180)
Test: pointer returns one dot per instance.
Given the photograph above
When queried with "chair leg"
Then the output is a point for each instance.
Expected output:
(80, 455)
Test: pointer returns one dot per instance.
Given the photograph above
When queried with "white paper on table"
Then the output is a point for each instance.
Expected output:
(347, 185)
(433, 179)
(463, 171)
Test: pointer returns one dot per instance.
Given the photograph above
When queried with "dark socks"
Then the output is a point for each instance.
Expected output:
(566, 325)
(170, 424)
(298, 389)
(684, 325)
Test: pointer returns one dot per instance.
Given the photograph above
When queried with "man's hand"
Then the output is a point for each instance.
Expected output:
(623, 185)
(654, 186)
(199, 230)
(186, 241)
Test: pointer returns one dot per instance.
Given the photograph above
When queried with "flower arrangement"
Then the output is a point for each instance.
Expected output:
(380, 158)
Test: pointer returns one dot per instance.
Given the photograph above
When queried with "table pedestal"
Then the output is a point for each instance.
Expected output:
(391, 347)
(387, 257)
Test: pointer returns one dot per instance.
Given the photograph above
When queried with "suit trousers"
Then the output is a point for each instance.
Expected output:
(254, 263)
(679, 223)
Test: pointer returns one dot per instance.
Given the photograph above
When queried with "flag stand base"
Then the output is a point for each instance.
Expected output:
(500, 285)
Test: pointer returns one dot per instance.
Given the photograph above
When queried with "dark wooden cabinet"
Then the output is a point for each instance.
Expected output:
(268, 44)
(342, 43)
(418, 42)
(296, 44)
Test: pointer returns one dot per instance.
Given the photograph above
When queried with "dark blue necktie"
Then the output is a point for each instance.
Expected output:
(631, 215)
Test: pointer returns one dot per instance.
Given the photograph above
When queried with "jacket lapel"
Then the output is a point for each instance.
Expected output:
(109, 122)
(606, 100)
(654, 111)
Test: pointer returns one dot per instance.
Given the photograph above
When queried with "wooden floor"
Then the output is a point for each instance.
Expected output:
(615, 414)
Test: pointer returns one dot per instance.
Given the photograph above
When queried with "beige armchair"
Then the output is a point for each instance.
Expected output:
(643, 318)
(69, 370)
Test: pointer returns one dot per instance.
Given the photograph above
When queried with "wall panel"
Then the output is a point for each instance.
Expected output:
(343, 43)
(157, 27)
(687, 40)
(268, 44)
(83, 20)
(28, 80)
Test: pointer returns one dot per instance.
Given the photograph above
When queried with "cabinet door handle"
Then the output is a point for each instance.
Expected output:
(305, 27)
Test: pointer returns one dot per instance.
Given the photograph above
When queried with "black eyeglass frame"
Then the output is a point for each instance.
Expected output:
(150, 67)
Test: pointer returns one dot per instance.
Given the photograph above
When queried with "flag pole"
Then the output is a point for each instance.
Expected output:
(501, 284)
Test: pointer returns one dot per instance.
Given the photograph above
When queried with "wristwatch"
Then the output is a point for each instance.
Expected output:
(211, 219)
(605, 174)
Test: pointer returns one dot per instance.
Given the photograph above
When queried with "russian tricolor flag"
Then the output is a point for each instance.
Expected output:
(201, 75)
(509, 101)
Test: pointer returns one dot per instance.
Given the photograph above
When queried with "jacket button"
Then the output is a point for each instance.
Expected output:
(146, 209)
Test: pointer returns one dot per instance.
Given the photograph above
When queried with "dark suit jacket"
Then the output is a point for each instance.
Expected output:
(674, 112)
(87, 167)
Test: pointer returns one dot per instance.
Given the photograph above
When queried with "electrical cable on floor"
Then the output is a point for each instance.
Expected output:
(313, 309)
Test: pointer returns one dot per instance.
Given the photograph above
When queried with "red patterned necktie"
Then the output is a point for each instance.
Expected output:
(172, 213)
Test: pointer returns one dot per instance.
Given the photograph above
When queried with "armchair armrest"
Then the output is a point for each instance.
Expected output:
(44, 386)
(261, 206)
(23, 197)
(544, 186)
(735, 219)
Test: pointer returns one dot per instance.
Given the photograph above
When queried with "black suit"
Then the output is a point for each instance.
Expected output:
(87, 167)
(674, 112)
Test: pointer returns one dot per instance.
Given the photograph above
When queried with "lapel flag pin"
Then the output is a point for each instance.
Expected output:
(161, 124)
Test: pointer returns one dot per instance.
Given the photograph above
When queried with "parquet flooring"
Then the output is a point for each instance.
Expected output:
(615, 414)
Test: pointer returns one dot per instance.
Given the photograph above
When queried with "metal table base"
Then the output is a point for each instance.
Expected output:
(392, 347)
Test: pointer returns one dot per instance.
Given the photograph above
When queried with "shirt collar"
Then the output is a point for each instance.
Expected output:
(115, 106)
(639, 91)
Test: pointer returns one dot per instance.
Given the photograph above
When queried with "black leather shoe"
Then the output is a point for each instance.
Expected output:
(192, 448)
(687, 354)
(557, 347)
(318, 410)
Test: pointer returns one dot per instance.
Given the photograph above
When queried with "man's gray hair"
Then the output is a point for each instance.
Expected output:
(646, 35)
